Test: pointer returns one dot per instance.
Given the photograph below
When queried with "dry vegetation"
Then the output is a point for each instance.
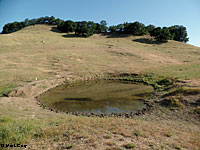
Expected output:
(35, 59)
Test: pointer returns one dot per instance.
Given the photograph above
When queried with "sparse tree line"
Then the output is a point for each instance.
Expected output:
(88, 28)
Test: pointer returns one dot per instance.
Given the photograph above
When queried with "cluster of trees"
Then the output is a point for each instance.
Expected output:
(86, 29)
(135, 28)
(177, 32)
(82, 28)
(15, 26)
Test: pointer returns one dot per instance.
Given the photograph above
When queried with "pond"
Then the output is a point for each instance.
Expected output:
(99, 97)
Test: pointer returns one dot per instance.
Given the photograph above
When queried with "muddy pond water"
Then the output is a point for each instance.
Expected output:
(99, 97)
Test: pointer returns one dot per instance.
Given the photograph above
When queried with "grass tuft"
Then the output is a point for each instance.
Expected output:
(129, 146)
(197, 110)
(177, 147)
(168, 134)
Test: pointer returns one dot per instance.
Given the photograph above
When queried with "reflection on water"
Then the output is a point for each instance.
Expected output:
(97, 97)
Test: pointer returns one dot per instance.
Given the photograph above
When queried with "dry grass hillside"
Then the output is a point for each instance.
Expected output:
(38, 57)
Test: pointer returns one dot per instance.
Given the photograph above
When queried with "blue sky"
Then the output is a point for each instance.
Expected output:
(156, 12)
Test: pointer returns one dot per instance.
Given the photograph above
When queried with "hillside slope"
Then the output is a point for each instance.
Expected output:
(37, 52)
(39, 57)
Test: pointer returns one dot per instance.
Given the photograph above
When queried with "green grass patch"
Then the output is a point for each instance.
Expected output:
(16, 131)
(157, 82)
(5, 120)
(4, 90)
